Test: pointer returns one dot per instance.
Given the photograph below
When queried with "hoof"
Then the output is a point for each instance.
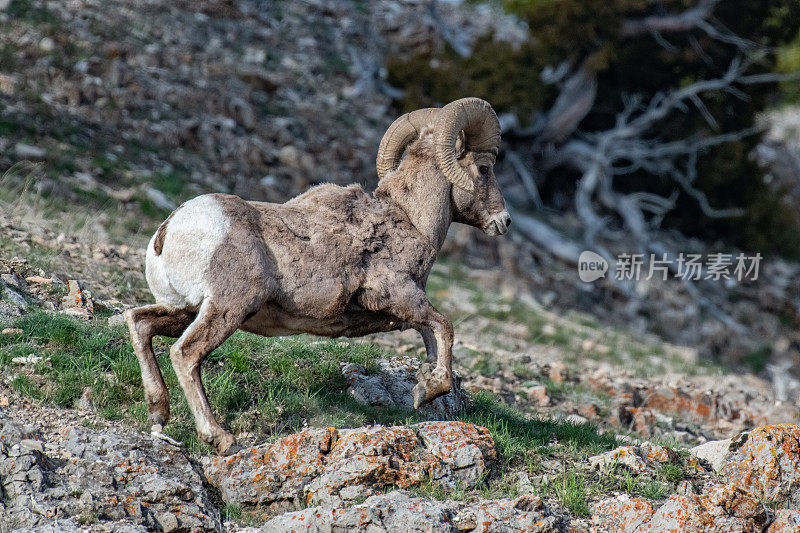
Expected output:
(226, 445)
(157, 419)
(431, 383)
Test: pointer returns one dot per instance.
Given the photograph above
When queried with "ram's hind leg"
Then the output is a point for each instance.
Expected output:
(209, 330)
(144, 323)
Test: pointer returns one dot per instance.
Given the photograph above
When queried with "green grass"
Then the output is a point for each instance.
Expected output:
(266, 386)
(515, 435)
(571, 490)
(257, 384)
(436, 491)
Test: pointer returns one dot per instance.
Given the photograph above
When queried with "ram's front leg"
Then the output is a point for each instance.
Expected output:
(434, 381)
(409, 303)
(435, 375)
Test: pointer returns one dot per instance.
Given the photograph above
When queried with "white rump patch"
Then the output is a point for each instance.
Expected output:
(195, 231)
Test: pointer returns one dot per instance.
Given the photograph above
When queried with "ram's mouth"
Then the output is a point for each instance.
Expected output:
(495, 227)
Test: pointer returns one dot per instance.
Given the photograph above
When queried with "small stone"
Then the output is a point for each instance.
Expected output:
(15, 298)
(713, 451)
(602, 349)
(13, 279)
(558, 372)
(159, 198)
(116, 320)
(645, 458)
(524, 484)
(85, 402)
(31, 444)
(31, 359)
(78, 312)
(47, 44)
(167, 521)
(77, 302)
(12, 331)
(289, 156)
(576, 419)
(537, 394)
(26, 151)
(39, 280)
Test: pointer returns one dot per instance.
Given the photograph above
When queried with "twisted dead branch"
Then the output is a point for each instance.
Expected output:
(606, 213)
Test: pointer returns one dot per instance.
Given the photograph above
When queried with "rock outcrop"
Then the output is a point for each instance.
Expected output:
(133, 481)
(333, 467)
(399, 511)
(756, 470)
(645, 458)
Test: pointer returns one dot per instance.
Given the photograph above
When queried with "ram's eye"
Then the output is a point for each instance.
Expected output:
(484, 170)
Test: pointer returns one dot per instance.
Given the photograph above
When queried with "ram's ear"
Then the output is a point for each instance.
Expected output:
(461, 146)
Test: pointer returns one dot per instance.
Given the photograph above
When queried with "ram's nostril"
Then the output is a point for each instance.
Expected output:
(508, 220)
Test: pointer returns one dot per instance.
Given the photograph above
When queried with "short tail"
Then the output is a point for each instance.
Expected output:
(161, 234)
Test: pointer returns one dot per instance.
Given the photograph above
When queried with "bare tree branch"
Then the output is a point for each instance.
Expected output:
(574, 102)
(526, 178)
(455, 39)
(687, 20)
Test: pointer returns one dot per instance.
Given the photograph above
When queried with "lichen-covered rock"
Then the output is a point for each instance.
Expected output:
(366, 458)
(133, 481)
(462, 449)
(526, 513)
(400, 512)
(719, 510)
(333, 467)
(714, 452)
(765, 462)
(271, 476)
(397, 511)
(622, 514)
(645, 458)
(78, 302)
(786, 521)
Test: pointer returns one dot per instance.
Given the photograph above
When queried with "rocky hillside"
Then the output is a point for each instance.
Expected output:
(558, 423)
(112, 113)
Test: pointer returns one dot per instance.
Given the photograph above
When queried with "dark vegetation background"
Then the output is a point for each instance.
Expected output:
(591, 33)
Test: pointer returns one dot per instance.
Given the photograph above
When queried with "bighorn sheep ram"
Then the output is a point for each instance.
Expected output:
(334, 261)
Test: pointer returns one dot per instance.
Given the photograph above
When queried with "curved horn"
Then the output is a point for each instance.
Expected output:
(478, 121)
(399, 135)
